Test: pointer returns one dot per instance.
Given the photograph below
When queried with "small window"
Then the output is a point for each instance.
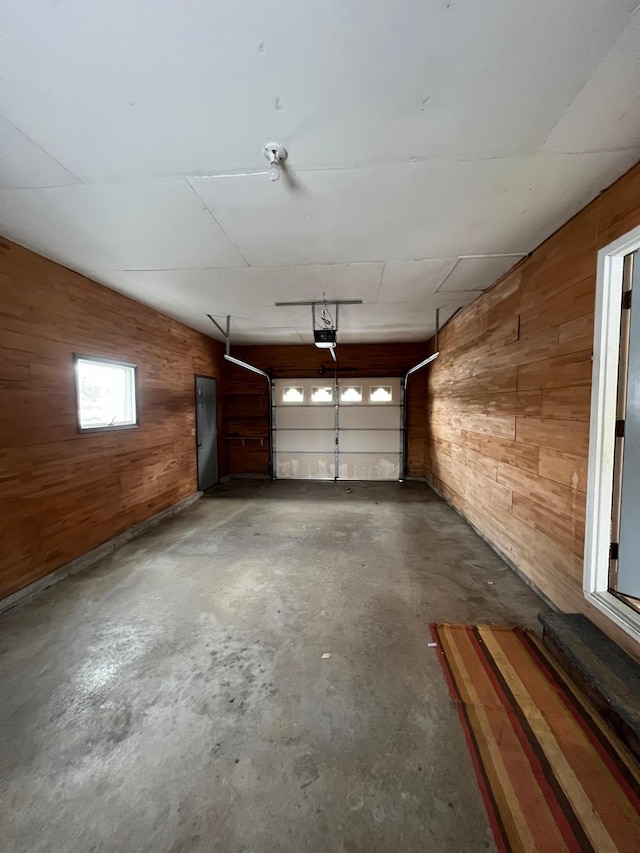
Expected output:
(351, 394)
(322, 394)
(106, 393)
(293, 395)
(380, 394)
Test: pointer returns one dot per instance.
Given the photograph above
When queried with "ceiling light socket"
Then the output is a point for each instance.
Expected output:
(275, 151)
(275, 154)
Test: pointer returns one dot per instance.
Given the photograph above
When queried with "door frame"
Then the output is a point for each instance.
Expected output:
(604, 391)
(197, 376)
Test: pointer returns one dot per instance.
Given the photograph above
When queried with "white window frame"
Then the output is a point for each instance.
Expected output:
(134, 423)
(604, 391)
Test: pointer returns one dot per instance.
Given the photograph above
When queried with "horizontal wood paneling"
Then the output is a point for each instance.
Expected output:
(245, 407)
(64, 493)
(507, 428)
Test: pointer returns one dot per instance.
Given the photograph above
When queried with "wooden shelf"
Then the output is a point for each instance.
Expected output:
(245, 417)
(243, 438)
(247, 393)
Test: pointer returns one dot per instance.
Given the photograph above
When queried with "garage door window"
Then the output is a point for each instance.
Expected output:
(106, 394)
(322, 394)
(380, 394)
(292, 394)
(351, 394)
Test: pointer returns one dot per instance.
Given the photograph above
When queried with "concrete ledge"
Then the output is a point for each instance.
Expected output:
(86, 560)
(602, 670)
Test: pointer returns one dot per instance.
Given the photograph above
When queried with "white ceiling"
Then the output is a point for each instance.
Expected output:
(432, 143)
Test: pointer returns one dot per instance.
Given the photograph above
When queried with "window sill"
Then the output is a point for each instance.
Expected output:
(87, 430)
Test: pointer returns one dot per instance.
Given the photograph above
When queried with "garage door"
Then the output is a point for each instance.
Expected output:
(354, 428)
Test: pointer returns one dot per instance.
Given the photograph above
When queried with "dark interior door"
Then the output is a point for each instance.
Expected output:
(206, 432)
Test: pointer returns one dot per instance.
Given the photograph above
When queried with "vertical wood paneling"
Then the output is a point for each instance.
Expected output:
(519, 359)
(63, 494)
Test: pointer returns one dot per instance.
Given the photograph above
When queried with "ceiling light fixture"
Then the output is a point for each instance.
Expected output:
(276, 155)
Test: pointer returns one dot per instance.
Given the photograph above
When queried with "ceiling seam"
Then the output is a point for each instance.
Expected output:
(211, 214)
(45, 152)
(384, 266)
(375, 262)
(367, 166)
(310, 169)
(592, 151)
(448, 275)
(495, 255)
(541, 149)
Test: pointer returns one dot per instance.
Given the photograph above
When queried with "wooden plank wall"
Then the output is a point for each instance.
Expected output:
(63, 494)
(507, 428)
(246, 412)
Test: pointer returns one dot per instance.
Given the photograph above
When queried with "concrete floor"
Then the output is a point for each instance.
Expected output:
(175, 696)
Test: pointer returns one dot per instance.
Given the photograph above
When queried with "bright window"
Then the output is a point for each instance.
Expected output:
(380, 394)
(106, 393)
(351, 394)
(322, 394)
(292, 394)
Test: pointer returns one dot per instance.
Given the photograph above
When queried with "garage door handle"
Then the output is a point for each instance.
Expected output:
(200, 444)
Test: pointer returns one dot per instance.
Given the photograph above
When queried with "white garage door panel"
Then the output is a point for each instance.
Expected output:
(369, 429)
(304, 430)
(305, 466)
(306, 440)
(305, 417)
(369, 466)
(384, 417)
(369, 441)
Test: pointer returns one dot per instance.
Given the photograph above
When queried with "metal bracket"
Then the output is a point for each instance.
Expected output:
(314, 303)
(226, 334)
(247, 366)
(228, 356)
(405, 383)
(319, 302)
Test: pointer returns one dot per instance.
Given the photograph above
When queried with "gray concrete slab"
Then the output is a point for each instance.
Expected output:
(176, 697)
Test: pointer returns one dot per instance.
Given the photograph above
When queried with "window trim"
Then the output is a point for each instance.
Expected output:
(79, 356)
(604, 390)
